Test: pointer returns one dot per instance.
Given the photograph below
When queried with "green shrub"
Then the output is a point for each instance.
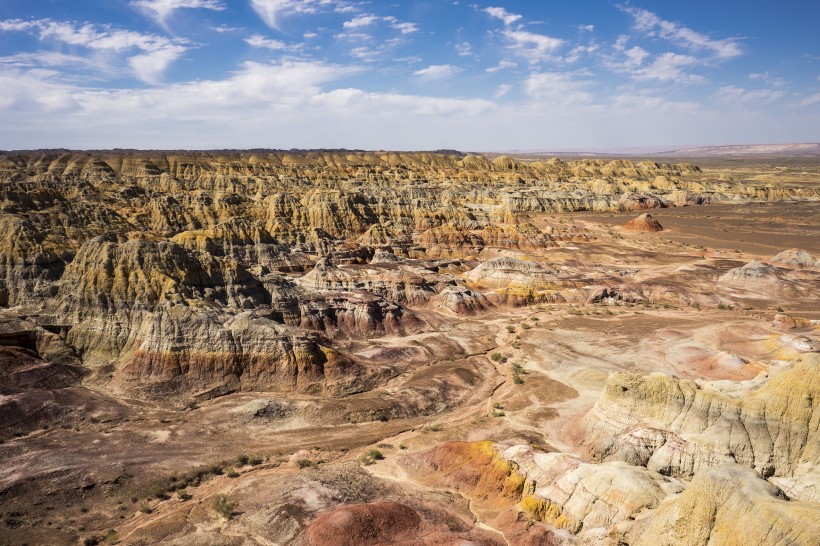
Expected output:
(223, 507)
(183, 494)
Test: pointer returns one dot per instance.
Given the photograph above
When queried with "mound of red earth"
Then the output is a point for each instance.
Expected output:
(644, 222)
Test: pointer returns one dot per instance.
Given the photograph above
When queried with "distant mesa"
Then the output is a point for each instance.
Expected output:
(644, 222)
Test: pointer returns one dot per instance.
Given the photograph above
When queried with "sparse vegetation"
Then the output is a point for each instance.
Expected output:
(145, 508)
(402, 446)
(232, 473)
(511, 329)
(517, 379)
(497, 413)
(371, 456)
(306, 463)
(183, 494)
(223, 507)
(525, 326)
(432, 428)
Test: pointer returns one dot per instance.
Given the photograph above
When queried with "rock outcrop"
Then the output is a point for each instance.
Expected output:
(728, 505)
(678, 428)
(645, 222)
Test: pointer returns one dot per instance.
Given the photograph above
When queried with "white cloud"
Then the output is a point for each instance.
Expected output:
(405, 28)
(534, 47)
(578, 51)
(502, 90)
(464, 49)
(503, 65)
(669, 67)
(812, 99)
(586, 28)
(437, 72)
(161, 9)
(361, 21)
(647, 21)
(272, 11)
(503, 14)
(368, 20)
(257, 40)
(558, 88)
(732, 94)
(148, 55)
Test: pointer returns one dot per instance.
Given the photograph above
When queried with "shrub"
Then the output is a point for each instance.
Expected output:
(305, 463)
(497, 413)
(432, 428)
(375, 454)
(525, 326)
(242, 460)
(517, 379)
(232, 473)
(371, 456)
(145, 509)
(183, 494)
(223, 507)
(511, 329)
(402, 446)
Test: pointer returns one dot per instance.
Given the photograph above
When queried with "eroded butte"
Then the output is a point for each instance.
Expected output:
(386, 348)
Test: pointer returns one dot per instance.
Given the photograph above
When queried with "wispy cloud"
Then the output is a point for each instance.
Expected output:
(669, 67)
(647, 21)
(503, 14)
(557, 87)
(503, 65)
(732, 94)
(162, 9)
(273, 11)
(148, 55)
(532, 46)
(259, 41)
(437, 72)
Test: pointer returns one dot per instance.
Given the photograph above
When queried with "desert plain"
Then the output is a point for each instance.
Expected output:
(339, 347)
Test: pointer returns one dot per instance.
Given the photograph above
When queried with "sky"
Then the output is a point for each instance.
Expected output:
(411, 75)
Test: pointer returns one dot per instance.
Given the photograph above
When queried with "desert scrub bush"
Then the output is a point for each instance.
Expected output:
(145, 508)
(232, 473)
(517, 379)
(183, 494)
(306, 463)
(525, 326)
(516, 344)
(497, 413)
(518, 369)
(223, 507)
(498, 405)
(402, 446)
(242, 460)
(385, 446)
(371, 456)
(432, 428)
(511, 329)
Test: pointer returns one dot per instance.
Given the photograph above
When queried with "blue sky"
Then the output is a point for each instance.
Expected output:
(500, 75)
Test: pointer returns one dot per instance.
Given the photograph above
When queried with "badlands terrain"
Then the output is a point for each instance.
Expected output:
(321, 348)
